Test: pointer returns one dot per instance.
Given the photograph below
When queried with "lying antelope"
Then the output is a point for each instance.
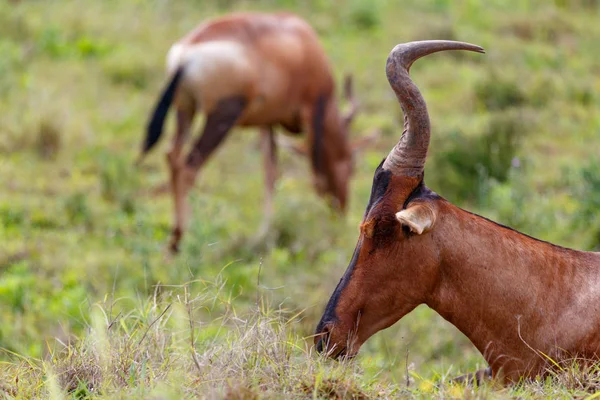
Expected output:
(521, 301)
(254, 69)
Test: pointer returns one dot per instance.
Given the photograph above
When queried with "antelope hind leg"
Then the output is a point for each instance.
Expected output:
(218, 124)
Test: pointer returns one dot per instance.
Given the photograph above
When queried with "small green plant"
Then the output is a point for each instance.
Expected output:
(588, 194)
(11, 217)
(470, 162)
(497, 93)
(131, 69)
(541, 90)
(39, 131)
(57, 43)
(11, 60)
(118, 181)
(77, 210)
(48, 139)
(363, 15)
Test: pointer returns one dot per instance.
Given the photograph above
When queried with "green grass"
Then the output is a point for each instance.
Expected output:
(172, 346)
(82, 242)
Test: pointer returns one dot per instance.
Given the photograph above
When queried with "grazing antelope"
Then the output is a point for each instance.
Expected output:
(254, 69)
(519, 300)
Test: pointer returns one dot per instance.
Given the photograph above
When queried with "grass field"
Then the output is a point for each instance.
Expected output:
(91, 306)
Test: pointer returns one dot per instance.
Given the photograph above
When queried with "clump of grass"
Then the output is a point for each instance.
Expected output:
(436, 29)
(335, 389)
(168, 342)
(12, 59)
(573, 377)
(118, 181)
(56, 43)
(363, 15)
(470, 162)
(541, 91)
(171, 346)
(77, 210)
(549, 25)
(48, 139)
(38, 129)
(13, 25)
(498, 92)
(11, 218)
(586, 181)
(128, 74)
(132, 68)
(578, 375)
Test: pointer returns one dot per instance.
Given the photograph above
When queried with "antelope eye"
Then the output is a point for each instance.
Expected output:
(384, 229)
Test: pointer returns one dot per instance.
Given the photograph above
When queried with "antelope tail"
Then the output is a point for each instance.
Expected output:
(155, 125)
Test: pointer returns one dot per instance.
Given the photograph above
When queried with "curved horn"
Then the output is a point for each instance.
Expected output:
(408, 156)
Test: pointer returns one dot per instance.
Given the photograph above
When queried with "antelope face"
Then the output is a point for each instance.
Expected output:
(396, 261)
(392, 270)
(334, 181)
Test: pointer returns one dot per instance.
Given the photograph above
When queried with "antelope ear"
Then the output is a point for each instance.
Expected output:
(419, 217)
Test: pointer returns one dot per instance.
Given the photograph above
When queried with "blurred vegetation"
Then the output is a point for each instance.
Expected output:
(516, 138)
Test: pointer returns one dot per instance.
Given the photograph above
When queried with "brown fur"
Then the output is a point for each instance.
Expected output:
(518, 299)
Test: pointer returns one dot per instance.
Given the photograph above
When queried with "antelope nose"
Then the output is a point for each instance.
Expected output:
(320, 345)
(322, 340)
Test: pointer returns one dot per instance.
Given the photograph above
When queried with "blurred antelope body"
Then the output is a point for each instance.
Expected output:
(219, 69)
(253, 69)
(521, 301)
(211, 70)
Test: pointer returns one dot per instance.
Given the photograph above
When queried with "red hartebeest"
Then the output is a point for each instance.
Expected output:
(254, 69)
(521, 301)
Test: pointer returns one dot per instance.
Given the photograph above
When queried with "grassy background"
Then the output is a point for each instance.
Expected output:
(516, 137)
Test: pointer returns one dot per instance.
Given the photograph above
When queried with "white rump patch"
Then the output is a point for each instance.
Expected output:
(174, 57)
(207, 59)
